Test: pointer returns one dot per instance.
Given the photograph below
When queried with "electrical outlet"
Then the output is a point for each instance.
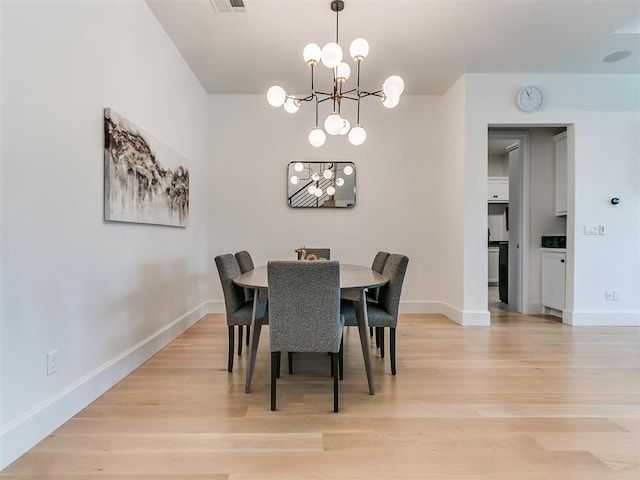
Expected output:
(52, 362)
(608, 295)
(616, 296)
(602, 230)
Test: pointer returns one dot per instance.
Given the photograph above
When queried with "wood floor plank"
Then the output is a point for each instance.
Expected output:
(527, 398)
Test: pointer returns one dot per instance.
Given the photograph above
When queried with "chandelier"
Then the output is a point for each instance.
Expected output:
(331, 56)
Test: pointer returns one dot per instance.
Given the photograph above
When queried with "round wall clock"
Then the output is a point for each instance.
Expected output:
(530, 98)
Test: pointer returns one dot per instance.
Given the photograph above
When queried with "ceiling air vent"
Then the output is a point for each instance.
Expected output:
(229, 6)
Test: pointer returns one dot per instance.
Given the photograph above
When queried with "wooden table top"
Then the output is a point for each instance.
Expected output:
(351, 276)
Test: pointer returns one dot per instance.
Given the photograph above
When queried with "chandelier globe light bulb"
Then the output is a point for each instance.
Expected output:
(298, 166)
(292, 104)
(276, 96)
(327, 174)
(348, 170)
(318, 192)
(343, 71)
(333, 124)
(294, 179)
(317, 137)
(331, 55)
(359, 49)
(311, 190)
(390, 100)
(357, 135)
(331, 191)
(312, 54)
(339, 182)
(394, 85)
(315, 177)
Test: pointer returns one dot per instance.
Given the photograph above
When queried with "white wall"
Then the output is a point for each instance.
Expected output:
(604, 164)
(450, 225)
(106, 296)
(398, 176)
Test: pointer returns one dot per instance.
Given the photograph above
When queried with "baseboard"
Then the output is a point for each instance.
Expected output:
(592, 318)
(466, 318)
(23, 433)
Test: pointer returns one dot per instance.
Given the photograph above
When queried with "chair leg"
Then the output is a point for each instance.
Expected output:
(392, 349)
(231, 346)
(334, 368)
(381, 340)
(239, 340)
(290, 357)
(248, 334)
(371, 331)
(275, 367)
(278, 366)
(341, 359)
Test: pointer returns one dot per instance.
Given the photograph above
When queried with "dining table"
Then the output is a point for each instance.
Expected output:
(354, 282)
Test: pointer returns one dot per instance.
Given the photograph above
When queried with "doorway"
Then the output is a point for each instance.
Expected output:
(506, 218)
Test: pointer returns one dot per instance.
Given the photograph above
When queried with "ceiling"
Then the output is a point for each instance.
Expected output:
(430, 43)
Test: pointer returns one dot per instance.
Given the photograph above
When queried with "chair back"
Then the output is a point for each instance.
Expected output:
(304, 306)
(389, 296)
(244, 261)
(378, 261)
(228, 268)
(324, 253)
(377, 266)
(246, 264)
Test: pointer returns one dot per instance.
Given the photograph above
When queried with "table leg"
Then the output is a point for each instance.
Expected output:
(256, 327)
(363, 328)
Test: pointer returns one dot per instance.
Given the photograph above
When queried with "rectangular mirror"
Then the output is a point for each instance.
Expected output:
(321, 184)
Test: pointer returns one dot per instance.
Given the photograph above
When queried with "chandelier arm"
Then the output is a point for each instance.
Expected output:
(325, 99)
(335, 86)
(358, 94)
(312, 79)
(379, 93)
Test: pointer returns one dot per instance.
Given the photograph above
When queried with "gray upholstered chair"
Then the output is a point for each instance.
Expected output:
(377, 266)
(304, 313)
(384, 312)
(324, 253)
(237, 307)
(246, 263)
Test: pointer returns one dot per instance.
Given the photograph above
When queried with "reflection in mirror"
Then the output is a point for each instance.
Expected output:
(321, 184)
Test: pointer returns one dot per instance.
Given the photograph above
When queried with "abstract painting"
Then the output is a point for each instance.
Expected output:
(144, 180)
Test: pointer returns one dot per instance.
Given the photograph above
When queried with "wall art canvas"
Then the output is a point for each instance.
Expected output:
(145, 181)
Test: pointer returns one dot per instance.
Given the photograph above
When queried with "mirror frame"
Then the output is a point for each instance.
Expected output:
(301, 176)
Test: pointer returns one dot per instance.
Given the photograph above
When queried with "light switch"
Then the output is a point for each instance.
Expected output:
(602, 230)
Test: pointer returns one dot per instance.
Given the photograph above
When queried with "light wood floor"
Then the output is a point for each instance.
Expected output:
(528, 398)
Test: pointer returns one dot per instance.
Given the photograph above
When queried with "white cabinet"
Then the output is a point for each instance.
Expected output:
(553, 273)
(493, 265)
(498, 190)
(561, 173)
